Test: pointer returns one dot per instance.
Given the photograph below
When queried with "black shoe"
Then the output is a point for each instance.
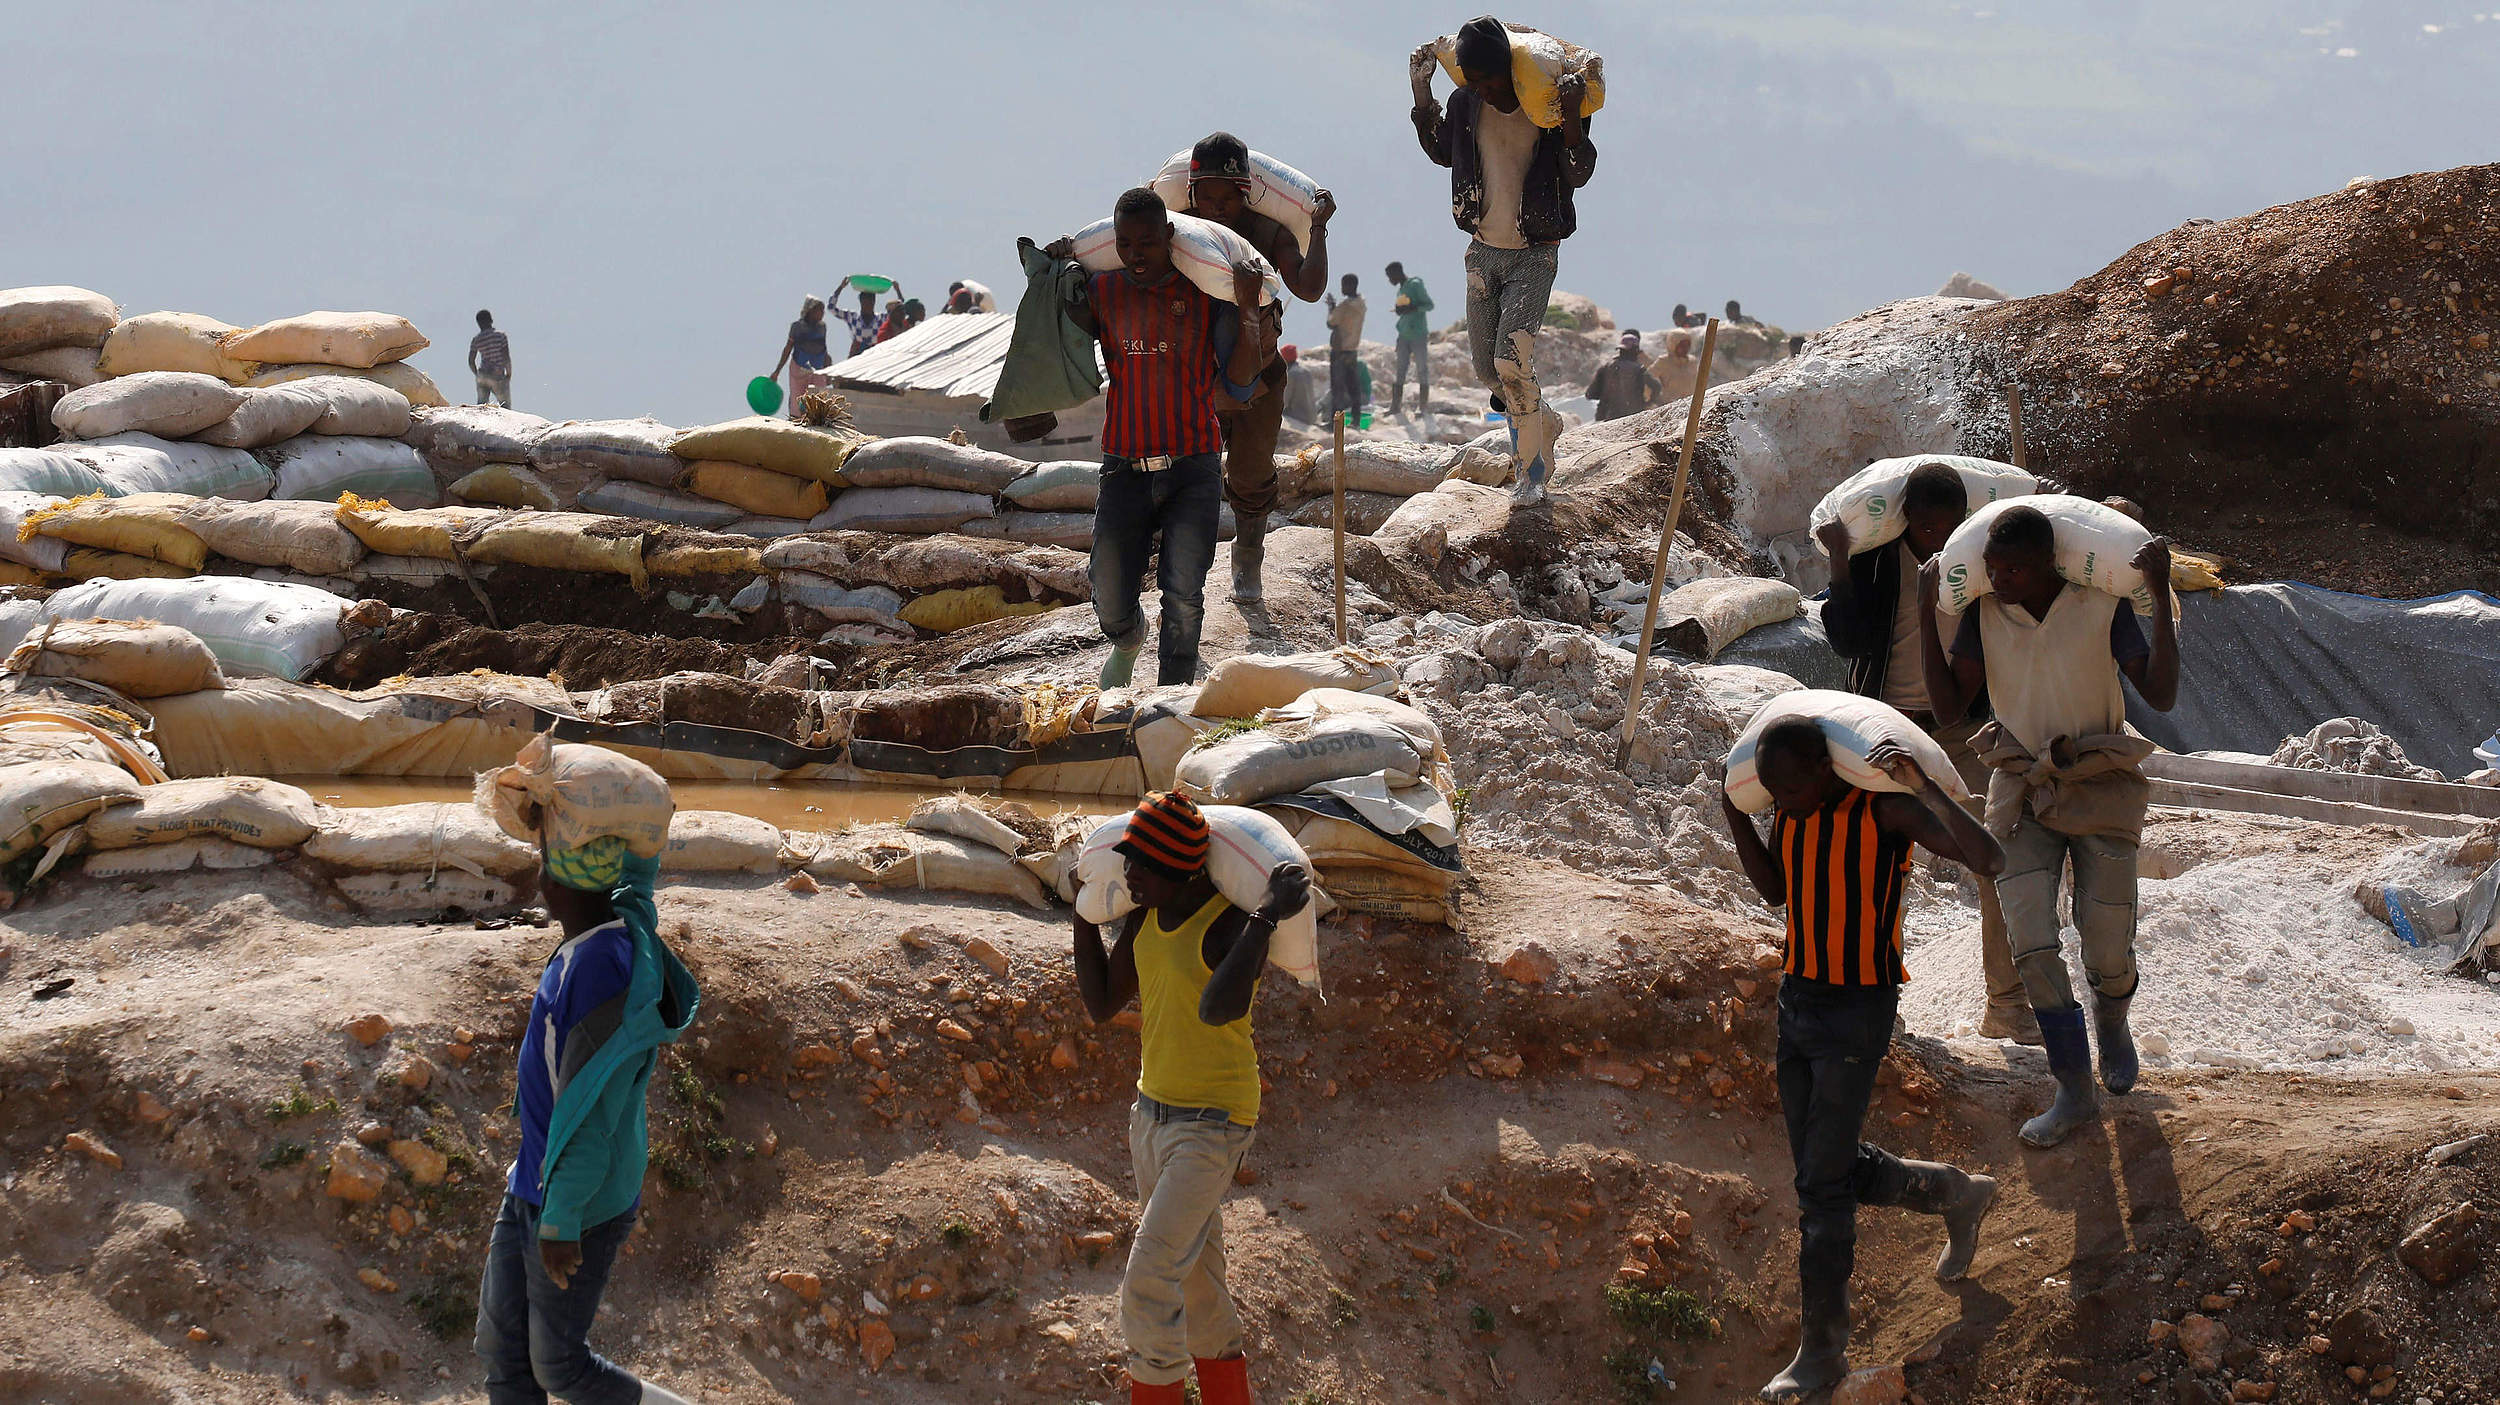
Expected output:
(2118, 1065)
(1962, 1199)
(2070, 1060)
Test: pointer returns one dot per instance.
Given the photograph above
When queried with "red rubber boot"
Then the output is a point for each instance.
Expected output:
(1139, 1393)
(1224, 1380)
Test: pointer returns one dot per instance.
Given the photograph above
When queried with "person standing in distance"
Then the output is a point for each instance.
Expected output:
(490, 361)
(1345, 350)
(1414, 341)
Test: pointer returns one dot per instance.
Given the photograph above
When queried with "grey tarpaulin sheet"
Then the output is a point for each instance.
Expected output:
(2259, 663)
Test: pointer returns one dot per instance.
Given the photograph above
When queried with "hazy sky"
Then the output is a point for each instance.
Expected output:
(643, 193)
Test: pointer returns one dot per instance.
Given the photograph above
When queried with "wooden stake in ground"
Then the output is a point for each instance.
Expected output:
(2014, 418)
(1666, 543)
(1338, 493)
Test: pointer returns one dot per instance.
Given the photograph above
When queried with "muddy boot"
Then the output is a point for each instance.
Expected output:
(1249, 557)
(1121, 666)
(1224, 1380)
(2011, 1022)
(2109, 1020)
(1533, 445)
(2070, 1062)
(1822, 1349)
(1962, 1199)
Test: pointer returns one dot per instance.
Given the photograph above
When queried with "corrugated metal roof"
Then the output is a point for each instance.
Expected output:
(956, 355)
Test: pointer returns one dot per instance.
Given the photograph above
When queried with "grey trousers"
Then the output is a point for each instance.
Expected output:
(2104, 902)
(1507, 290)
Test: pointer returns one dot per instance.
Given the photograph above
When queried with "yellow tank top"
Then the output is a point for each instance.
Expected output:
(1187, 1062)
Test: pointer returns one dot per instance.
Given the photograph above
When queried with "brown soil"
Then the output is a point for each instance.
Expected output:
(432, 645)
(2317, 397)
(1451, 1171)
(716, 700)
(525, 595)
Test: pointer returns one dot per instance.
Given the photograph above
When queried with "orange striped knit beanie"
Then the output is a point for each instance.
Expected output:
(1169, 831)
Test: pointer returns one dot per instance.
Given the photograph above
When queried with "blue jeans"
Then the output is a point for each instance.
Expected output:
(1181, 503)
(1832, 1039)
(535, 1337)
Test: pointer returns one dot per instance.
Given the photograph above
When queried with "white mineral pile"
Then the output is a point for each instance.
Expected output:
(2351, 745)
(1531, 712)
(2258, 958)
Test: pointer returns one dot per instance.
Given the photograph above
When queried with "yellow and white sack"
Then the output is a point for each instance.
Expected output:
(583, 793)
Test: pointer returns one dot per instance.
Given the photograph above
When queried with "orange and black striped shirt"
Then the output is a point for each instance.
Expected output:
(1846, 881)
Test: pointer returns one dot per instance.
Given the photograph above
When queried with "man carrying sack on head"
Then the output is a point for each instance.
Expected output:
(1511, 185)
(1871, 620)
(611, 994)
(1191, 960)
(1219, 190)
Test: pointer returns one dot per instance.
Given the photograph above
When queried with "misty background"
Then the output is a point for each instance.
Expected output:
(643, 193)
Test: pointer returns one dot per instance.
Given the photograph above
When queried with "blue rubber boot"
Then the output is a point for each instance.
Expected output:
(2069, 1048)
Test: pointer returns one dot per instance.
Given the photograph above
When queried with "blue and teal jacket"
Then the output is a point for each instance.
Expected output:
(608, 999)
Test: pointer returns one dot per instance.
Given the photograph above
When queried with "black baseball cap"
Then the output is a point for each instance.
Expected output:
(1220, 156)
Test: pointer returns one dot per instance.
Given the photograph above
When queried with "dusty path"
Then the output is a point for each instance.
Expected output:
(1454, 1168)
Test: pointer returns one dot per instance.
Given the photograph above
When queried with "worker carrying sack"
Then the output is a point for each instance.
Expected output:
(1537, 62)
(1202, 250)
(1868, 502)
(583, 793)
(1277, 191)
(1244, 851)
(2095, 545)
(1852, 726)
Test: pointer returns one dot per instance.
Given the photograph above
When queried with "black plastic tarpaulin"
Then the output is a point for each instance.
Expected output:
(2259, 663)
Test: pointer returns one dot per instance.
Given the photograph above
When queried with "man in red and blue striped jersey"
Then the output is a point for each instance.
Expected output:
(1166, 343)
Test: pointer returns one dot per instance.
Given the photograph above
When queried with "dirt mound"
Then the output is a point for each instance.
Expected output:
(429, 645)
(2309, 388)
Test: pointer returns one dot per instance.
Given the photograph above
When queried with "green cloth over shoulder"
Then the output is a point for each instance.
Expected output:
(1051, 362)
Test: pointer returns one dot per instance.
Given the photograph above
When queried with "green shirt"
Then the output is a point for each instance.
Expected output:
(1412, 303)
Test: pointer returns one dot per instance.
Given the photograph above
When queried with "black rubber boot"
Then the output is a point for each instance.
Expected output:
(1249, 556)
(2118, 1066)
(2070, 1062)
(1823, 1346)
(1962, 1199)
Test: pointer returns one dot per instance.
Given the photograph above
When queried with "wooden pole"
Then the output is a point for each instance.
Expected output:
(2014, 416)
(1337, 492)
(1666, 543)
